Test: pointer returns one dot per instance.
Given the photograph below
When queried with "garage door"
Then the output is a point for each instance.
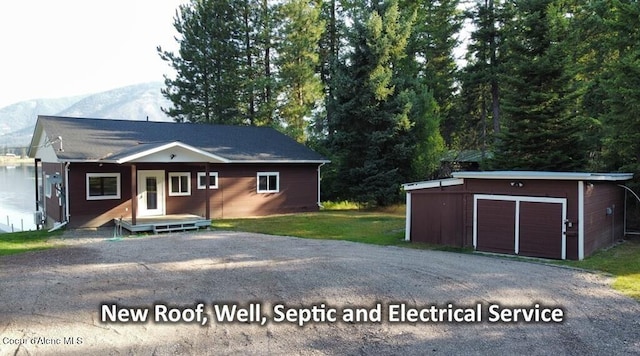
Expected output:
(497, 226)
(521, 225)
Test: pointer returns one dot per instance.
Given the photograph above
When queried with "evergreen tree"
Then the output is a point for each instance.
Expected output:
(430, 49)
(257, 91)
(301, 88)
(480, 104)
(621, 88)
(542, 131)
(372, 130)
(207, 82)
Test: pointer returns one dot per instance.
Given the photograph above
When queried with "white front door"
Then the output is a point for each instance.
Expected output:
(150, 193)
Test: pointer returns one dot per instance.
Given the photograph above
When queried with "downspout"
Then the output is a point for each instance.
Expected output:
(319, 179)
(66, 191)
(627, 189)
(35, 173)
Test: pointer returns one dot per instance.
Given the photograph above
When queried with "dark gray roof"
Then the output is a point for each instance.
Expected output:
(103, 139)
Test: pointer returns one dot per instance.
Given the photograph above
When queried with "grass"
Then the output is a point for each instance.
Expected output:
(622, 261)
(19, 242)
(358, 226)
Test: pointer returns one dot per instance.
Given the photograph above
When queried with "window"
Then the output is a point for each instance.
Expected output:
(47, 186)
(102, 186)
(213, 180)
(179, 184)
(268, 182)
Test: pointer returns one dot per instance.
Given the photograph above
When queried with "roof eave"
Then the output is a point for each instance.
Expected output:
(535, 175)
(302, 161)
(439, 183)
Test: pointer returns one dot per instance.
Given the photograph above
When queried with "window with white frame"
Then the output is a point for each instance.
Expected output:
(103, 186)
(47, 186)
(179, 183)
(268, 182)
(213, 180)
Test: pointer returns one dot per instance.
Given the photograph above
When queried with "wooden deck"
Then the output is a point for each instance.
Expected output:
(164, 223)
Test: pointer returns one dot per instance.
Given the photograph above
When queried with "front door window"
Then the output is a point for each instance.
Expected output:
(152, 193)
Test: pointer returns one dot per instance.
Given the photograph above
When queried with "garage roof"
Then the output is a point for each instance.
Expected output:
(544, 175)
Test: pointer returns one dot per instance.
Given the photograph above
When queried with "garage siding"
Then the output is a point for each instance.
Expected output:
(601, 229)
(436, 216)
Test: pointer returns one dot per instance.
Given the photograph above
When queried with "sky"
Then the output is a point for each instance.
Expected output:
(59, 48)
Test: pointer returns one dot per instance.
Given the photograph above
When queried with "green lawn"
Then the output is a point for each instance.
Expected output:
(358, 226)
(18, 242)
(622, 261)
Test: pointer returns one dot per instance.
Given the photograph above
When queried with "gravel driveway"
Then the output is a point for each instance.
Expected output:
(53, 302)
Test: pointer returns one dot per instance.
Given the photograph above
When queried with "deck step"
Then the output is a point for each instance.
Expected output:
(174, 227)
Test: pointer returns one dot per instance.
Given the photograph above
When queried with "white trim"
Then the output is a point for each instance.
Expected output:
(179, 175)
(518, 199)
(319, 182)
(103, 197)
(238, 161)
(516, 234)
(142, 191)
(268, 174)
(211, 174)
(407, 226)
(66, 190)
(433, 184)
(544, 175)
(475, 223)
(580, 220)
(136, 156)
(277, 161)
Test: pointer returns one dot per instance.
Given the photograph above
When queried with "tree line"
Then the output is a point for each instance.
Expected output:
(376, 86)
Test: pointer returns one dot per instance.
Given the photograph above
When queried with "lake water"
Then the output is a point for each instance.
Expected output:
(17, 197)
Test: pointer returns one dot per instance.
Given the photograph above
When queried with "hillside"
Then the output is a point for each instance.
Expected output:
(135, 102)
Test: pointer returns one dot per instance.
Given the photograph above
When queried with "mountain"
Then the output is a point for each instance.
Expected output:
(134, 102)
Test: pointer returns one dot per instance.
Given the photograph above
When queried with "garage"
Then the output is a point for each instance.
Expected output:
(557, 215)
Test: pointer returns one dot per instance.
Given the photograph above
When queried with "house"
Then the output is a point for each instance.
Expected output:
(539, 214)
(92, 172)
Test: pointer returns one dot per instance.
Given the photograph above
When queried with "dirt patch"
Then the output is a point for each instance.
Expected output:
(56, 295)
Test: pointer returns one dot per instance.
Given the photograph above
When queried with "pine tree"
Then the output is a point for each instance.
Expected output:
(431, 45)
(206, 86)
(372, 129)
(301, 88)
(542, 132)
(481, 79)
(621, 88)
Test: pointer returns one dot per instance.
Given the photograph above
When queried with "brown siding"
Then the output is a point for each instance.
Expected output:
(601, 229)
(298, 191)
(496, 226)
(95, 213)
(236, 195)
(436, 216)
